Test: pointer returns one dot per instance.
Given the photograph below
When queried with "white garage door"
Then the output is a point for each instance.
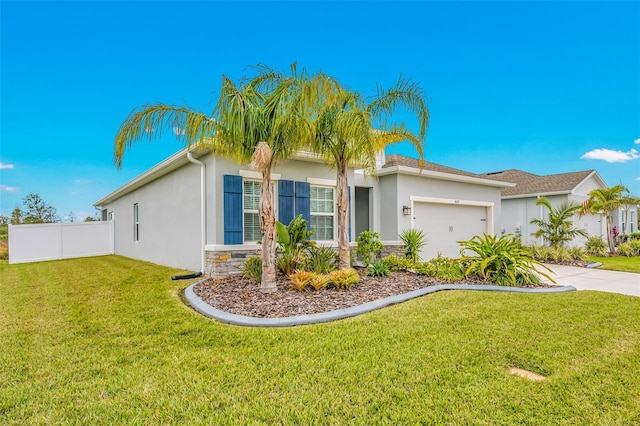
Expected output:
(446, 224)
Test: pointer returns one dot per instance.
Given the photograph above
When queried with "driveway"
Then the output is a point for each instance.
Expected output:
(597, 279)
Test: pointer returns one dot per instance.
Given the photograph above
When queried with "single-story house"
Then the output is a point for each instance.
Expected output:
(198, 211)
(519, 202)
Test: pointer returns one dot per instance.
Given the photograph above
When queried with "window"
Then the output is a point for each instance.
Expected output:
(136, 223)
(631, 222)
(110, 215)
(251, 203)
(322, 212)
(250, 206)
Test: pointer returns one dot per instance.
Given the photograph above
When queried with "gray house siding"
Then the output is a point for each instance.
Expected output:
(169, 220)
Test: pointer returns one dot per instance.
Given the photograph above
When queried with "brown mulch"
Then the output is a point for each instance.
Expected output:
(238, 295)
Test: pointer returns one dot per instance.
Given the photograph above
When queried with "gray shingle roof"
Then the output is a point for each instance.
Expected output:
(392, 160)
(530, 184)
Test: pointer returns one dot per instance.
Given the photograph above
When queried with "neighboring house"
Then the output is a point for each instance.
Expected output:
(519, 202)
(196, 211)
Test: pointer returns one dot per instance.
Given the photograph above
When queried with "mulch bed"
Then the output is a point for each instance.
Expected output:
(238, 295)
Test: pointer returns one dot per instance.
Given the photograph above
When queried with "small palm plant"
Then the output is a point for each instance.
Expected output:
(412, 242)
(558, 228)
(501, 260)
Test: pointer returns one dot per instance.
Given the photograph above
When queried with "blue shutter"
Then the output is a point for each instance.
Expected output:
(303, 194)
(349, 209)
(232, 209)
(285, 201)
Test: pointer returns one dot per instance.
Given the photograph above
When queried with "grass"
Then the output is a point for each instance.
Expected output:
(108, 340)
(618, 263)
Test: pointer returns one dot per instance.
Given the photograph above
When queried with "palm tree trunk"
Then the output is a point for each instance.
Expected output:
(268, 225)
(344, 258)
(612, 246)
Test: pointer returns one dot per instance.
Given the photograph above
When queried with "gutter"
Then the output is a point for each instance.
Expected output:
(203, 209)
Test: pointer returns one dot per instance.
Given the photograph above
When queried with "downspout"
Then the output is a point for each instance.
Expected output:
(203, 210)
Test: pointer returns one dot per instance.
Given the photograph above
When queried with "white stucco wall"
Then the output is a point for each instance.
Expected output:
(169, 225)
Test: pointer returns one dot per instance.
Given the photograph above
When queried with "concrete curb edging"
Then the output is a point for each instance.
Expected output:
(226, 317)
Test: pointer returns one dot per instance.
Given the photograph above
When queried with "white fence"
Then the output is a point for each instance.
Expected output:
(48, 241)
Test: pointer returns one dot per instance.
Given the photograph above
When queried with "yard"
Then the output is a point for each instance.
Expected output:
(108, 340)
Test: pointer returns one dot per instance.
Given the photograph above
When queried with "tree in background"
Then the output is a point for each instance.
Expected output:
(37, 210)
(350, 131)
(558, 228)
(604, 201)
(16, 216)
(4, 220)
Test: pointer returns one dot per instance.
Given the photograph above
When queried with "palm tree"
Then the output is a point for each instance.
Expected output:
(264, 120)
(346, 135)
(604, 201)
(558, 228)
(629, 201)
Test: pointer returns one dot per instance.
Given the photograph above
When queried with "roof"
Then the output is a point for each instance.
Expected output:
(532, 184)
(400, 160)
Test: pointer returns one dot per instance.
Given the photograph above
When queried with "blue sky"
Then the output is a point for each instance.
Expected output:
(546, 87)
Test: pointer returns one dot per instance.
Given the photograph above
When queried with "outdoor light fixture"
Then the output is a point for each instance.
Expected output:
(406, 210)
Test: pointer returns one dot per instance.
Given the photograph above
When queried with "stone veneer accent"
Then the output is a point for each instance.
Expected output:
(221, 263)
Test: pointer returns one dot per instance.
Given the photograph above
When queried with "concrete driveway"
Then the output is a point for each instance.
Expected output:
(597, 279)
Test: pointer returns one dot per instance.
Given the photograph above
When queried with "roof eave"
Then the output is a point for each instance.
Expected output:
(404, 170)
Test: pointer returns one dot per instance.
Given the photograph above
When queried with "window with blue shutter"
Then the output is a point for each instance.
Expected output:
(232, 202)
(302, 206)
(285, 201)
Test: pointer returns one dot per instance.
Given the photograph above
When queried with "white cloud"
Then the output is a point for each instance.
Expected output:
(81, 181)
(178, 131)
(5, 166)
(8, 188)
(611, 156)
(637, 141)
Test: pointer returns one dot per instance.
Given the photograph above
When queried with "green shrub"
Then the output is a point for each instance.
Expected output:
(576, 253)
(292, 241)
(560, 254)
(442, 268)
(595, 246)
(395, 263)
(300, 279)
(412, 242)
(634, 236)
(501, 260)
(321, 260)
(369, 246)
(344, 278)
(632, 248)
(252, 269)
(378, 269)
(319, 281)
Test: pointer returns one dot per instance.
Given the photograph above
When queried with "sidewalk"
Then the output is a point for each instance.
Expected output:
(596, 279)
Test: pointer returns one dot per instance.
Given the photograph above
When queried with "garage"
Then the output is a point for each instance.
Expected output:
(447, 221)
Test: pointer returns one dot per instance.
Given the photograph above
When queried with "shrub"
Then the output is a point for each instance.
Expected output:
(632, 248)
(319, 281)
(292, 241)
(560, 254)
(252, 269)
(412, 242)
(595, 246)
(321, 260)
(576, 253)
(344, 278)
(442, 268)
(300, 279)
(634, 236)
(368, 246)
(378, 269)
(395, 263)
(501, 260)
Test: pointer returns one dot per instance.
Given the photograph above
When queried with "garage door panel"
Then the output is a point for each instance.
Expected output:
(446, 224)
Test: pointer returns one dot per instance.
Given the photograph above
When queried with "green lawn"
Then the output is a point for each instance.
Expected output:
(107, 340)
(618, 263)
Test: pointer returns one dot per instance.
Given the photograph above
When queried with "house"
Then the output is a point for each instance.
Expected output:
(519, 202)
(198, 211)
